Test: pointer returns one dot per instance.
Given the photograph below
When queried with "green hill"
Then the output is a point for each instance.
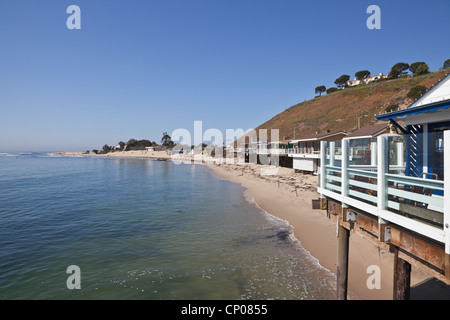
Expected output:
(339, 111)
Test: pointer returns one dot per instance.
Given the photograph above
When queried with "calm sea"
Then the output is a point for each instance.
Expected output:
(142, 229)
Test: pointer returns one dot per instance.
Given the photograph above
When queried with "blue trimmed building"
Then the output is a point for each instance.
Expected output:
(401, 200)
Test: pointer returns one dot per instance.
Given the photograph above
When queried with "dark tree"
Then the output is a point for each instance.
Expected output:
(422, 69)
(446, 64)
(342, 80)
(418, 68)
(320, 90)
(106, 149)
(362, 74)
(402, 67)
(166, 140)
(398, 69)
(331, 90)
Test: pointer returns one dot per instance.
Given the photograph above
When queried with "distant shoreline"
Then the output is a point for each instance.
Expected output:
(157, 155)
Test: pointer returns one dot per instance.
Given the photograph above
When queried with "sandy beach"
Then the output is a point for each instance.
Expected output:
(288, 195)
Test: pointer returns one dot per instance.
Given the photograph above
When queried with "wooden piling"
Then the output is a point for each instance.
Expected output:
(402, 277)
(342, 267)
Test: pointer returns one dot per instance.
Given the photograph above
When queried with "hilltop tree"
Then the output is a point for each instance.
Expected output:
(331, 90)
(418, 68)
(342, 80)
(362, 74)
(446, 64)
(398, 69)
(320, 90)
(422, 69)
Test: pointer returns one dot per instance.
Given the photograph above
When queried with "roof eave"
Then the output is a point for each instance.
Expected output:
(407, 112)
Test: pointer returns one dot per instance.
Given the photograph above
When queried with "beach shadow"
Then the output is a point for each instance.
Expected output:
(431, 289)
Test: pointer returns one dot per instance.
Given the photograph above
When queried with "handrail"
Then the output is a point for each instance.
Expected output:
(421, 182)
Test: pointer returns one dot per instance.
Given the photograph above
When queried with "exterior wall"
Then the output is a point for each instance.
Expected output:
(305, 164)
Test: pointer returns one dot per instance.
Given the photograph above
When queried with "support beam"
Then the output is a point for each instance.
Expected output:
(398, 126)
(402, 277)
(342, 267)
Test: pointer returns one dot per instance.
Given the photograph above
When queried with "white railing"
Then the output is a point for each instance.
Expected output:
(390, 197)
(296, 150)
(278, 151)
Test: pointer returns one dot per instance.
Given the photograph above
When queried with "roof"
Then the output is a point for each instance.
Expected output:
(319, 136)
(438, 97)
(369, 131)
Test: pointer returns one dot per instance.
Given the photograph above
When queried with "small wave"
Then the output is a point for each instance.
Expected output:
(6, 154)
(273, 219)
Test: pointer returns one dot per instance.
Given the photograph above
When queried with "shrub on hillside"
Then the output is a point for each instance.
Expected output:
(416, 92)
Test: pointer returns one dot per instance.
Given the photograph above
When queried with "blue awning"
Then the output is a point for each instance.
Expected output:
(415, 110)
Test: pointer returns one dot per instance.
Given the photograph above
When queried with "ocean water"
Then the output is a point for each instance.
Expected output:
(142, 229)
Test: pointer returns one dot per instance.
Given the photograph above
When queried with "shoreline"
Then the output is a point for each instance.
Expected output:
(288, 196)
(284, 194)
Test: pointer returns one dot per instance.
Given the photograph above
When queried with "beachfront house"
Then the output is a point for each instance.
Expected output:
(279, 147)
(305, 152)
(278, 151)
(400, 194)
(362, 144)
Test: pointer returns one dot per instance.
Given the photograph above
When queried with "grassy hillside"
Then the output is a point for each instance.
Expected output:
(339, 111)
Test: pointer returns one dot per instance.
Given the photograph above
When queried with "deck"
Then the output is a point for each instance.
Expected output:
(373, 196)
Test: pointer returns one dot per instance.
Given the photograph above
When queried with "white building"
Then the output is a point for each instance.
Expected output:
(305, 152)
(356, 82)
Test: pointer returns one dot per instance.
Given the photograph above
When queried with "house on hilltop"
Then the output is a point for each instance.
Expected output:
(356, 82)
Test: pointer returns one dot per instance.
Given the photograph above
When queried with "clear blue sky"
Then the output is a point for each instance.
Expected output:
(138, 68)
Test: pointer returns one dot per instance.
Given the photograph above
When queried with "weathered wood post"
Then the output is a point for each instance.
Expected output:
(402, 278)
(342, 267)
